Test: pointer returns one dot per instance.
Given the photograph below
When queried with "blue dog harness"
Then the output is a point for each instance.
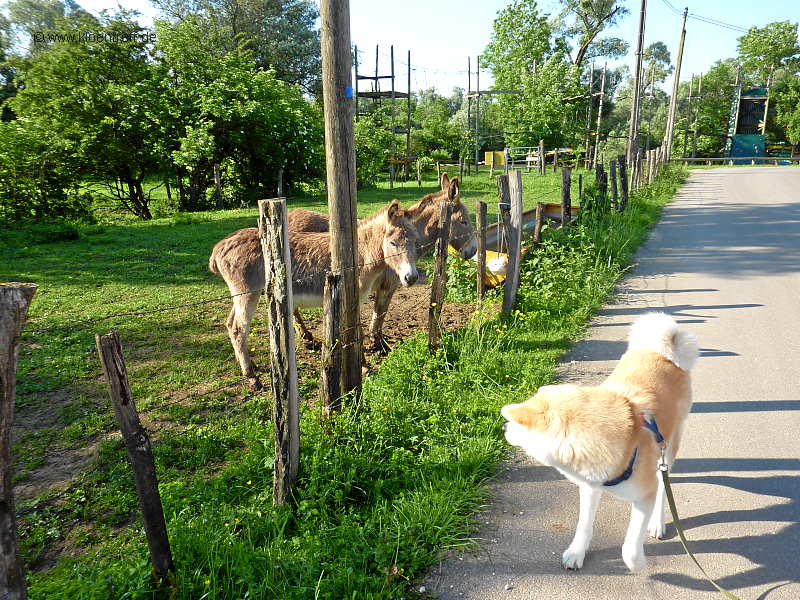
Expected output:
(653, 427)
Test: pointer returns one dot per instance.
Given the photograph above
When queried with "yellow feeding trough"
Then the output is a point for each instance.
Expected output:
(496, 265)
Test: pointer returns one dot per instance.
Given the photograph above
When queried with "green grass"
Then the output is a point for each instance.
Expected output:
(382, 489)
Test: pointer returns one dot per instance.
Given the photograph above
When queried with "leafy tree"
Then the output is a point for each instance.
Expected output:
(520, 38)
(788, 111)
(37, 179)
(92, 99)
(580, 24)
(373, 148)
(764, 49)
(656, 63)
(282, 34)
(216, 105)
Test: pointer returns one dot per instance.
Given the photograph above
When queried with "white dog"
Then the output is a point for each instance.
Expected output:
(610, 437)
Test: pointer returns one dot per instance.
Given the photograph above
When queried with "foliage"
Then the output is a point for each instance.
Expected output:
(520, 38)
(439, 135)
(763, 49)
(581, 21)
(282, 35)
(91, 98)
(373, 146)
(37, 181)
(788, 110)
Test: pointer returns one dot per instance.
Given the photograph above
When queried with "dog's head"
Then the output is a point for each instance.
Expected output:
(584, 429)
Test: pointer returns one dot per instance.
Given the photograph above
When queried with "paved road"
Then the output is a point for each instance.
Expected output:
(725, 262)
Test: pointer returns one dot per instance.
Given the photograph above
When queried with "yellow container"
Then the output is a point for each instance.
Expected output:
(498, 156)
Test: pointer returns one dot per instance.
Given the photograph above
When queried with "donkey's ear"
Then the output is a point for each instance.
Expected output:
(444, 181)
(394, 211)
(454, 190)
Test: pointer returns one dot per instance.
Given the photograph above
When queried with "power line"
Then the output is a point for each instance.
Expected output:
(703, 19)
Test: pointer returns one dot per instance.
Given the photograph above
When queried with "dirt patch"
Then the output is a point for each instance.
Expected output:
(408, 314)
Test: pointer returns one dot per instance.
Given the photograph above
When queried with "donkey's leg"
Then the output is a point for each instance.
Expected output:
(238, 324)
(305, 332)
(383, 297)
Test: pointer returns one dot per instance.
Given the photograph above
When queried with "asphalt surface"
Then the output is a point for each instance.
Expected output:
(725, 262)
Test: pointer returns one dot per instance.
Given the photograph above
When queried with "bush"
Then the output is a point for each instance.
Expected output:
(373, 148)
(36, 180)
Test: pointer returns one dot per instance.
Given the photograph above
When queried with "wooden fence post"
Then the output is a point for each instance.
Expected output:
(481, 257)
(419, 173)
(439, 283)
(566, 199)
(537, 227)
(651, 166)
(217, 185)
(438, 172)
(541, 157)
(623, 182)
(514, 231)
(140, 453)
(612, 171)
(272, 227)
(330, 377)
(14, 301)
(580, 187)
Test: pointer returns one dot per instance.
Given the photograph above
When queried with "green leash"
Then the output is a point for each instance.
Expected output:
(662, 465)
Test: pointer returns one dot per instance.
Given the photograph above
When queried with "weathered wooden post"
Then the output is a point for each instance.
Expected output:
(481, 255)
(438, 286)
(140, 453)
(330, 377)
(337, 92)
(514, 231)
(419, 173)
(272, 227)
(541, 158)
(651, 163)
(612, 169)
(566, 199)
(623, 182)
(580, 187)
(14, 301)
(217, 185)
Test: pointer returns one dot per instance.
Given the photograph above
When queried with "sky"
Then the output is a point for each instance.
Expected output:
(441, 34)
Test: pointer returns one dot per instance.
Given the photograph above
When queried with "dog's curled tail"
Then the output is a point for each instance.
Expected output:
(660, 333)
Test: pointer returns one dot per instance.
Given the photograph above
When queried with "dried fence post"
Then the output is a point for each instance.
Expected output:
(14, 301)
(272, 227)
(651, 163)
(537, 227)
(439, 283)
(481, 257)
(330, 377)
(580, 187)
(566, 199)
(419, 173)
(623, 182)
(612, 171)
(514, 230)
(140, 453)
(438, 172)
(541, 157)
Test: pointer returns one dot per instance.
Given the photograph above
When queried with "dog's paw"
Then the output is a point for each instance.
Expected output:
(573, 559)
(634, 558)
(657, 529)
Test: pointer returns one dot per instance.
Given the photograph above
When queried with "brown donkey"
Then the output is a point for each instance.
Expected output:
(425, 217)
(387, 241)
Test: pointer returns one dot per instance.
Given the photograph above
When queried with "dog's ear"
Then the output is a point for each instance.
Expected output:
(522, 414)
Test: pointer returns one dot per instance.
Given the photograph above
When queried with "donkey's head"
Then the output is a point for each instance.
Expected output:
(400, 244)
(462, 231)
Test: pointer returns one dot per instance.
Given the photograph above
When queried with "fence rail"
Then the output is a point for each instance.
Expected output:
(775, 160)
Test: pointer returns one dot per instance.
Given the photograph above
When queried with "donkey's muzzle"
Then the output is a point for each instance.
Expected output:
(410, 278)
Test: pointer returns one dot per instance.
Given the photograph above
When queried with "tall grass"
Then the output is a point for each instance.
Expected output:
(387, 484)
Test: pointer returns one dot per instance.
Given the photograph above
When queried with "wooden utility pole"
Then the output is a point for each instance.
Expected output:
(14, 301)
(586, 155)
(696, 117)
(688, 114)
(676, 80)
(341, 178)
(274, 233)
(600, 114)
(140, 453)
(633, 128)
